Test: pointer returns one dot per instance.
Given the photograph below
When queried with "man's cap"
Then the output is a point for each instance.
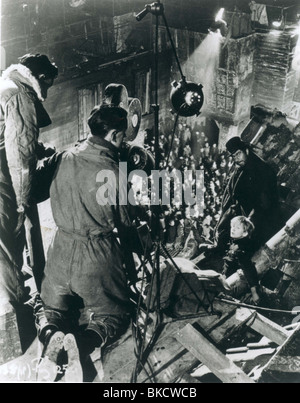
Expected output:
(235, 144)
(109, 114)
(39, 64)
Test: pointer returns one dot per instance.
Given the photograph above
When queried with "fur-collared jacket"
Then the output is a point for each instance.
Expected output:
(21, 116)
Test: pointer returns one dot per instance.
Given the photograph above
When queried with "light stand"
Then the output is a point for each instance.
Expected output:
(187, 100)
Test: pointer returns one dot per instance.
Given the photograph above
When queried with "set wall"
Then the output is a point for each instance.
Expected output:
(275, 80)
(227, 77)
(62, 102)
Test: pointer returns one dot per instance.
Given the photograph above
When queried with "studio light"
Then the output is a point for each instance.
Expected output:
(187, 98)
(219, 16)
(279, 22)
(219, 26)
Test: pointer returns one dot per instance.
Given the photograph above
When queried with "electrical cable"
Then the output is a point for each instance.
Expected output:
(256, 307)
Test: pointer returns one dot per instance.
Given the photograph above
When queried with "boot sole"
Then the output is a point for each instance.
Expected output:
(73, 372)
(47, 368)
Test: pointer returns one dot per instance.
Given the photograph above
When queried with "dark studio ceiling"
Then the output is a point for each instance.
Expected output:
(40, 14)
(73, 32)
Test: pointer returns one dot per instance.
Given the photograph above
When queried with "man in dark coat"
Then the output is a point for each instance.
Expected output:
(85, 288)
(251, 191)
(23, 88)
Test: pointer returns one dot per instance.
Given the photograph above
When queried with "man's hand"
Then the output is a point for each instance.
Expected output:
(23, 217)
(28, 222)
(255, 295)
(44, 151)
(20, 222)
(203, 248)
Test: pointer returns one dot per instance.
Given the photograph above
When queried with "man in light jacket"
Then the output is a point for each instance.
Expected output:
(23, 88)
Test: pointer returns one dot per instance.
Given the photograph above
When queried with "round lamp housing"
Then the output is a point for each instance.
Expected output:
(187, 98)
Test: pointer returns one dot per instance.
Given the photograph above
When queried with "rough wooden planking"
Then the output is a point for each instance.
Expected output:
(264, 326)
(10, 343)
(210, 356)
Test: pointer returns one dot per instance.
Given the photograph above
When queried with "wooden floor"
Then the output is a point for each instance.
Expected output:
(207, 349)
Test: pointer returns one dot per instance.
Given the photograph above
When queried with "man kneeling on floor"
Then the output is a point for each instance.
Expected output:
(85, 289)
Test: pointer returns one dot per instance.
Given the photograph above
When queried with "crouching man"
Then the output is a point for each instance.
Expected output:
(85, 289)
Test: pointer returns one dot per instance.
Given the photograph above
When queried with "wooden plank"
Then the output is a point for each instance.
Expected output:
(264, 326)
(210, 356)
(250, 355)
(174, 360)
(117, 361)
(284, 366)
(24, 367)
(168, 360)
(10, 343)
(186, 378)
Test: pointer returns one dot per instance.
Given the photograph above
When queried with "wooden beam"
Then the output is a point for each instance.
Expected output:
(210, 356)
(251, 355)
(264, 326)
(24, 367)
(10, 343)
(169, 360)
(270, 329)
(284, 366)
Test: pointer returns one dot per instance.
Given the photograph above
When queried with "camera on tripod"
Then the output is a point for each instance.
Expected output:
(137, 157)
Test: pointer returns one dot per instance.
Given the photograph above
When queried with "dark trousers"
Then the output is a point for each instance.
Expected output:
(12, 243)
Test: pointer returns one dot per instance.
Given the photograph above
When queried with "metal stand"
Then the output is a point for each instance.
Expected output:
(157, 9)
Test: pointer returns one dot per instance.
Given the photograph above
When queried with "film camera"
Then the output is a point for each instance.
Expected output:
(137, 157)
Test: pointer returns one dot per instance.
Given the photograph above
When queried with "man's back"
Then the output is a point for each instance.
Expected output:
(85, 249)
(76, 197)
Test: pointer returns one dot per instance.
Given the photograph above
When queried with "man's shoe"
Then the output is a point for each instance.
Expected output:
(47, 367)
(73, 372)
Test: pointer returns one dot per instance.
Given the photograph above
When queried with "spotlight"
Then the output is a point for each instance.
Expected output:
(187, 98)
(279, 22)
(219, 26)
(219, 16)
